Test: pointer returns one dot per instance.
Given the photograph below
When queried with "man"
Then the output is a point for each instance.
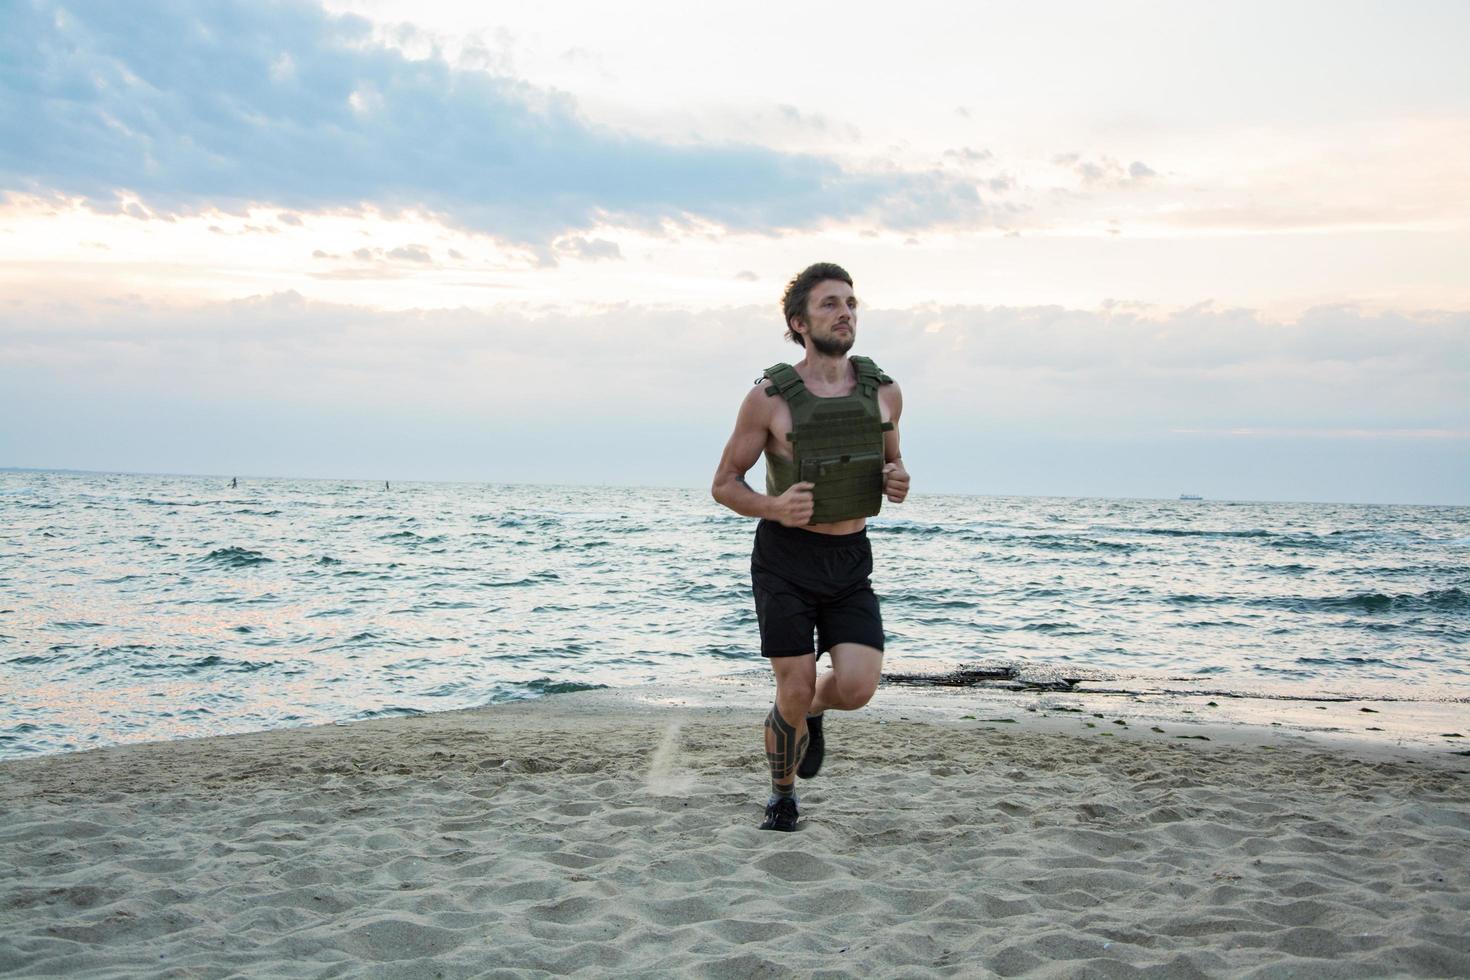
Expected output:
(828, 427)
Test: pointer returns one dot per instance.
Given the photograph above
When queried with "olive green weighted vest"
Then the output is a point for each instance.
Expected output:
(838, 443)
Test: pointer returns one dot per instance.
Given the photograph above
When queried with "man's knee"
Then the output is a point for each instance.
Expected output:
(796, 693)
(796, 684)
(854, 692)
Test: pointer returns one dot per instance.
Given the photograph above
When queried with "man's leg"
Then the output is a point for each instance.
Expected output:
(856, 670)
(786, 736)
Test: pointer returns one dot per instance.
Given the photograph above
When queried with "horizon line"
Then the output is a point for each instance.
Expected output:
(656, 486)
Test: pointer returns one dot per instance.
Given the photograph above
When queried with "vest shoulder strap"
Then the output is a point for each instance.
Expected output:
(869, 375)
(785, 382)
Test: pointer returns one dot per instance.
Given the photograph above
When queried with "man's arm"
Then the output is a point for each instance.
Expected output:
(895, 476)
(794, 507)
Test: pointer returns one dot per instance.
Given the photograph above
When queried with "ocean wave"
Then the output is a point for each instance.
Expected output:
(1343, 661)
(1059, 629)
(1435, 600)
(524, 523)
(533, 579)
(412, 537)
(1348, 539)
(390, 711)
(233, 558)
(547, 685)
(921, 530)
(212, 663)
(35, 660)
(1067, 542)
(921, 601)
(1188, 532)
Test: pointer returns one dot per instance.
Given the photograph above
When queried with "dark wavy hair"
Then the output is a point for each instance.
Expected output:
(799, 290)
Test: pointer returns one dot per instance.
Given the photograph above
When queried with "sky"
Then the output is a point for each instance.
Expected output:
(1123, 249)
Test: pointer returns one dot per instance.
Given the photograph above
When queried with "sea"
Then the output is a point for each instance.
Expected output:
(141, 608)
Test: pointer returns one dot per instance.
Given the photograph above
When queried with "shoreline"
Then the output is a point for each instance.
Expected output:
(1383, 724)
(613, 831)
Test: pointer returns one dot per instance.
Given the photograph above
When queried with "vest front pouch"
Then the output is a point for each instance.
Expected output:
(838, 444)
(847, 486)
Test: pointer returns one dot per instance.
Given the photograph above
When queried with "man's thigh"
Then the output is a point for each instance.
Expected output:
(857, 665)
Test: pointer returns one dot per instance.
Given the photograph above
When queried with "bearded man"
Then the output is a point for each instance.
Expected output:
(828, 428)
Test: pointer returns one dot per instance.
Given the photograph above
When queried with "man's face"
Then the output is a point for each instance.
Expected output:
(831, 317)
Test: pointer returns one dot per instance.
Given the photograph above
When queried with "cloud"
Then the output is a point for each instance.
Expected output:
(410, 253)
(1109, 401)
(1106, 171)
(1125, 368)
(1130, 370)
(184, 107)
(376, 263)
(590, 249)
(816, 122)
(970, 155)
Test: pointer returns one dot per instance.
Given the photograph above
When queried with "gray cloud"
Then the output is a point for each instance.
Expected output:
(226, 105)
(1084, 398)
(968, 155)
(1128, 365)
(590, 249)
(410, 253)
(1129, 369)
(1106, 171)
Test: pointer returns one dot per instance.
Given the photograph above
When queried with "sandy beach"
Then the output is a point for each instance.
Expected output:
(613, 833)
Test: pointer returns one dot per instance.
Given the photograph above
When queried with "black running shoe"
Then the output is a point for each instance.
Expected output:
(780, 815)
(816, 746)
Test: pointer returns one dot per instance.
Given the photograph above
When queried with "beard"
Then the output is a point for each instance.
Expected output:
(832, 346)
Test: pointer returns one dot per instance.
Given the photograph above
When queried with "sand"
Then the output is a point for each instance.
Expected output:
(613, 833)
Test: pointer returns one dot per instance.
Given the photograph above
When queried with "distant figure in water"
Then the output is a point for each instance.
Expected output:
(385, 484)
(234, 482)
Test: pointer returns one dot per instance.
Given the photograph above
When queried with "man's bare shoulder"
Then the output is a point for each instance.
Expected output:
(757, 399)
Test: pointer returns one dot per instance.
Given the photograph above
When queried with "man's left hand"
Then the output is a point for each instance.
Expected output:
(895, 482)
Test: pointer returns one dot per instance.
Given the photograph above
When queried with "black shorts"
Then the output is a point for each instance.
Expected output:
(805, 581)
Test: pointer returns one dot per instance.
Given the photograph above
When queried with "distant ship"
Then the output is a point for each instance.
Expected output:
(1190, 496)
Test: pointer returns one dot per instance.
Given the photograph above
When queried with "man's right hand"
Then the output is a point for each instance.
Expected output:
(794, 507)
